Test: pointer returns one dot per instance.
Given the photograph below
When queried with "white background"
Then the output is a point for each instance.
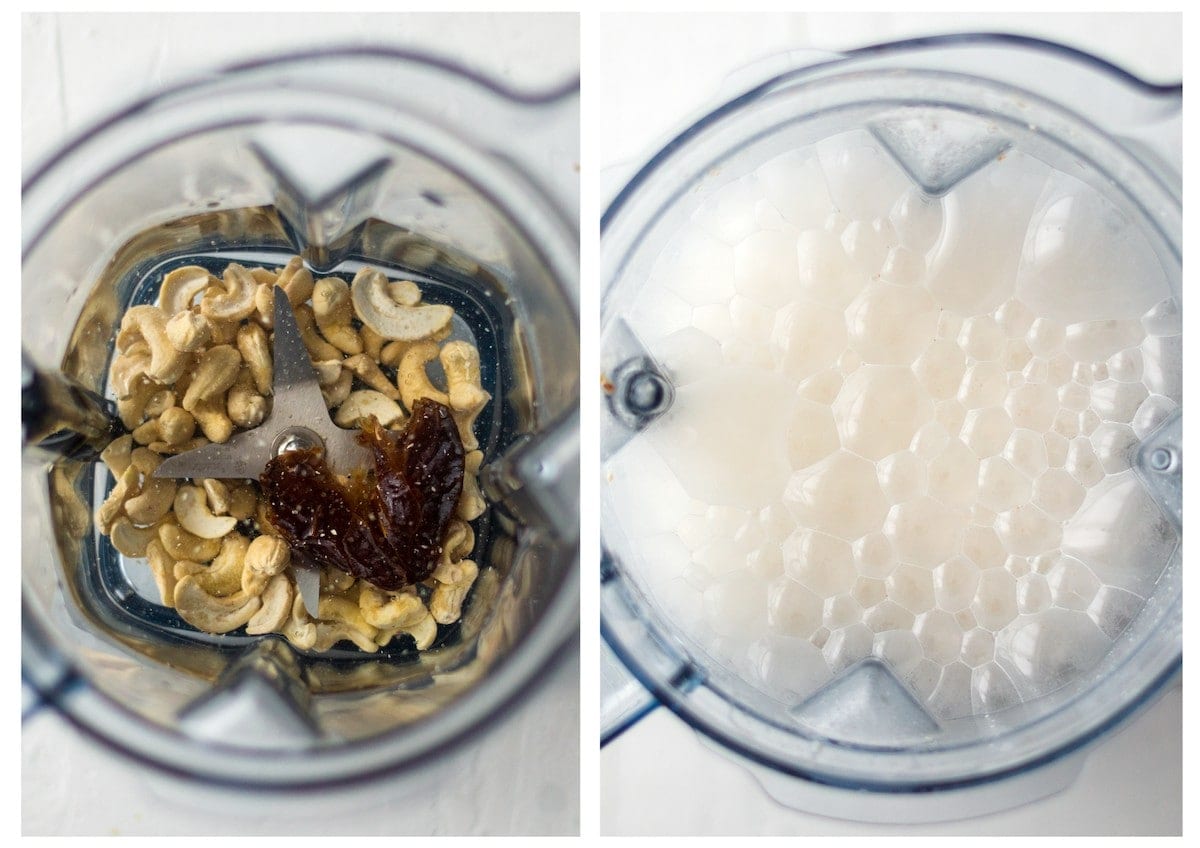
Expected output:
(660, 70)
(523, 776)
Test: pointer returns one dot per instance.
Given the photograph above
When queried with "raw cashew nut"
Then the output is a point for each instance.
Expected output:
(116, 455)
(460, 539)
(160, 402)
(189, 332)
(275, 609)
(341, 619)
(211, 614)
(150, 323)
(336, 393)
(216, 371)
(181, 544)
(132, 409)
(180, 287)
(191, 509)
(130, 540)
(268, 555)
(234, 300)
(153, 502)
(412, 379)
(245, 406)
(318, 349)
(366, 402)
(213, 421)
(375, 307)
(372, 342)
(471, 504)
(423, 632)
(256, 353)
(445, 605)
(174, 427)
(127, 487)
(217, 494)
(368, 371)
(405, 292)
(299, 629)
(333, 312)
(127, 367)
(264, 305)
(224, 576)
(460, 361)
(162, 566)
(390, 609)
(296, 281)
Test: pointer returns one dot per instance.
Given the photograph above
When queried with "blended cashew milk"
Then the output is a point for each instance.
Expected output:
(903, 426)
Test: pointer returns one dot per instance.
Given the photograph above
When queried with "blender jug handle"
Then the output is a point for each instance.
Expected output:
(63, 418)
(623, 700)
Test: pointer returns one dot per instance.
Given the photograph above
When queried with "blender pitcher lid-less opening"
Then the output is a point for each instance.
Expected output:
(348, 158)
(1047, 140)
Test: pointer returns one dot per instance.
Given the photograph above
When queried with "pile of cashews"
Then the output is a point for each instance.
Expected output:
(196, 368)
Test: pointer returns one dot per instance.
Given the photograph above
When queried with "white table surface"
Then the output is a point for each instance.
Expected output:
(658, 778)
(522, 777)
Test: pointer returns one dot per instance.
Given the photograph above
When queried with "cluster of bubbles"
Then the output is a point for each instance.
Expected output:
(903, 427)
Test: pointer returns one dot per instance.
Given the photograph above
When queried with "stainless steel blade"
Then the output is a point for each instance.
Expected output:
(308, 581)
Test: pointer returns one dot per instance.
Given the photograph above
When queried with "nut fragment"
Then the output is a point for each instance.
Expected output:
(224, 576)
(256, 353)
(242, 502)
(333, 312)
(375, 307)
(336, 393)
(366, 402)
(174, 427)
(367, 370)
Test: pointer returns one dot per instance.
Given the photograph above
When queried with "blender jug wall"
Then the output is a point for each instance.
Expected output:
(933, 120)
(346, 159)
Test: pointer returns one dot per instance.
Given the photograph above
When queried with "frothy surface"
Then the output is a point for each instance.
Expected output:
(903, 427)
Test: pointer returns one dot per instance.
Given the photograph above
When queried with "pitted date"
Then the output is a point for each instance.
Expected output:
(384, 525)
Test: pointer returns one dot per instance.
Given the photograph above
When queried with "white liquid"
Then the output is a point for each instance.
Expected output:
(903, 427)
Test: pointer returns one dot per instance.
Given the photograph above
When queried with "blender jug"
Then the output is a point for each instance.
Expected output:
(371, 157)
(896, 605)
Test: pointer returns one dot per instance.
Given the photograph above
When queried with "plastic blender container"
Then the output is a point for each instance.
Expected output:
(345, 157)
(863, 747)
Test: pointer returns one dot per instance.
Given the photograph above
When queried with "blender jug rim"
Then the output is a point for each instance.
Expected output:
(521, 96)
(882, 50)
(639, 191)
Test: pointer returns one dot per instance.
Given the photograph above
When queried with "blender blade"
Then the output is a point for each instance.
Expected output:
(298, 419)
